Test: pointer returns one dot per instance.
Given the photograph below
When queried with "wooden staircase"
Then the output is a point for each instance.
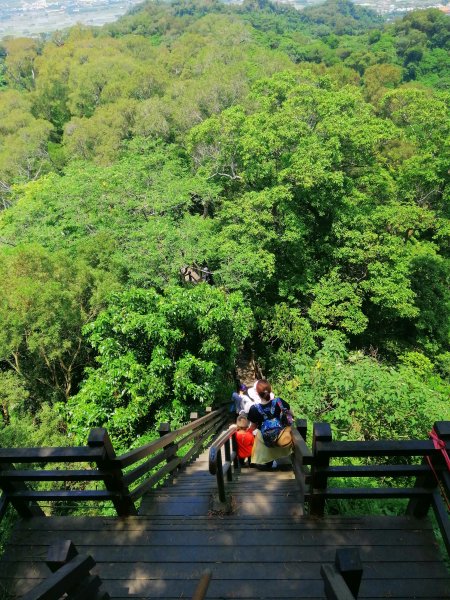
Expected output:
(265, 549)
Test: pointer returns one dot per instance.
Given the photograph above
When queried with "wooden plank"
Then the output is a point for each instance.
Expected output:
(376, 471)
(142, 523)
(56, 475)
(334, 584)
(274, 589)
(86, 589)
(378, 448)
(163, 555)
(62, 580)
(228, 570)
(36, 455)
(237, 537)
(373, 493)
(191, 453)
(4, 502)
(306, 455)
(213, 553)
(52, 495)
(442, 518)
(24, 509)
(445, 478)
(129, 458)
(99, 438)
(151, 481)
(149, 464)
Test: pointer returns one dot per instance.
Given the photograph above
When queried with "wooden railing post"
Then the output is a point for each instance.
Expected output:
(235, 450)
(302, 427)
(219, 477)
(227, 447)
(342, 580)
(419, 507)
(193, 417)
(124, 505)
(301, 457)
(349, 565)
(164, 429)
(70, 578)
(25, 508)
(442, 428)
(321, 433)
(59, 554)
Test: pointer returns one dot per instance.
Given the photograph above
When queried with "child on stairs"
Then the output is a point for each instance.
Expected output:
(244, 441)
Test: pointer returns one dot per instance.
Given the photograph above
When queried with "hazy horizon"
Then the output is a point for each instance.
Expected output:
(32, 17)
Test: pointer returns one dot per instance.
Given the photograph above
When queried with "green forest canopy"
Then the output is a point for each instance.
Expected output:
(302, 156)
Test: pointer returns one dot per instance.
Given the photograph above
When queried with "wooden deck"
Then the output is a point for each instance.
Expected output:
(266, 549)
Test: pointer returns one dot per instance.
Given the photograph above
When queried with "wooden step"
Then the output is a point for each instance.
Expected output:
(266, 548)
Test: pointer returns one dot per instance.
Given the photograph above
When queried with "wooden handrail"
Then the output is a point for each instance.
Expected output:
(217, 466)
(302, 455)
(37, 455)
(57, 475)
(110, 469)
(137, 454)
(375, 471)
(4, 502)
(220, 441)
(378, 448)
(421, 497)
(208, 426)
(441, 513)
(53, 495)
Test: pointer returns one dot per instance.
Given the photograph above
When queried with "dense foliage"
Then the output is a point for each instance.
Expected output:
(301, 156)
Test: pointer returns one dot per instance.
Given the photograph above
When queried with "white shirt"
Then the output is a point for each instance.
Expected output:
(255, 396)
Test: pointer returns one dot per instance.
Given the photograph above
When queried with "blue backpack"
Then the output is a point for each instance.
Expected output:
(271, 428)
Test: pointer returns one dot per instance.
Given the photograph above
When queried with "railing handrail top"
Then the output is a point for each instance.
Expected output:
(378, 448)
(223, 437)
(51, 454)
(214, 449)
(132, 456)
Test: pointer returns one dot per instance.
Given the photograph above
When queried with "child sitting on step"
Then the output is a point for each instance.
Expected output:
(244, 441)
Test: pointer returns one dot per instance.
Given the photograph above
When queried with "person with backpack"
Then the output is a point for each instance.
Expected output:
(272, 418)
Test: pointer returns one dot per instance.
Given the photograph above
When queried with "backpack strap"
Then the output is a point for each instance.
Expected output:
(261, 412)
(273, 405)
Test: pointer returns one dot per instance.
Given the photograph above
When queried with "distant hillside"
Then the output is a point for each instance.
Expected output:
(341, 17)
(300, 158)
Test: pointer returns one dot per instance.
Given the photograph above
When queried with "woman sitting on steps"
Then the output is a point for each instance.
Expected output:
(272, 418)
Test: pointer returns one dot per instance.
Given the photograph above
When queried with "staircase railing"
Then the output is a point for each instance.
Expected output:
(432, 476)
(342, 580)
(301, 456)
(70, 576)
(220, 467)
(142, 467)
